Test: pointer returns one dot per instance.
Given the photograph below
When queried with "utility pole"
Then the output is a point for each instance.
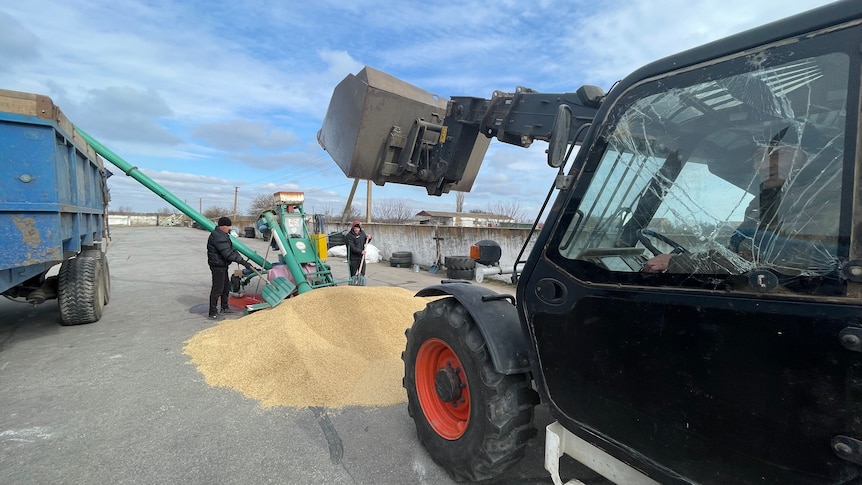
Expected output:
(235, 192)
(368, 203)
(349, 202)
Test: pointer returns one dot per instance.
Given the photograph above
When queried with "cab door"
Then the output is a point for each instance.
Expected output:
(739, 361)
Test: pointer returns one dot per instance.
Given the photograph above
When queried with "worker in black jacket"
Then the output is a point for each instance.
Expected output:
(220, 254)
(356, 240)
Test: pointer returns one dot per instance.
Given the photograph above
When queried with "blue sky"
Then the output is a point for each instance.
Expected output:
(208, 96)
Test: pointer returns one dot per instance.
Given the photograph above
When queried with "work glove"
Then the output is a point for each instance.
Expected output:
(247, 264)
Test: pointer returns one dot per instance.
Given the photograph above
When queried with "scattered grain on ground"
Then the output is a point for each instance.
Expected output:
(332, 347)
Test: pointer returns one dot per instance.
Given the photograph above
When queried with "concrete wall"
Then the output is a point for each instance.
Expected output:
(388, 238)
(166, 220)
(454, 241)
(131, 220)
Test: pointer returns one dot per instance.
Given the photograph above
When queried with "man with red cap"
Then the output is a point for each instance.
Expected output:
(356, 240)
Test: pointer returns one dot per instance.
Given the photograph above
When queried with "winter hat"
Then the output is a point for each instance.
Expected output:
(356, 223)
(224, 221)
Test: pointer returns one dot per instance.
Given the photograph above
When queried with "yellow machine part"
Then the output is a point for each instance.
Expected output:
(319, 243)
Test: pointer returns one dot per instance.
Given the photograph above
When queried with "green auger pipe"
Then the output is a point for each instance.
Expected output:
(186, 209)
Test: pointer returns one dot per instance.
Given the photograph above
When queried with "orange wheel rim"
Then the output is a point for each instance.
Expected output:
(441, 386)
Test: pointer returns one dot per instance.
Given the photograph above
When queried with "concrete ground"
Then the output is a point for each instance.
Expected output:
(118, 402)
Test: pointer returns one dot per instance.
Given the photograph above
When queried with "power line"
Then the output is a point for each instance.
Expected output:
(303, 177)
(287, 171)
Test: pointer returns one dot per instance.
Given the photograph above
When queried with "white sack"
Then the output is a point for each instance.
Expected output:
(372, 254)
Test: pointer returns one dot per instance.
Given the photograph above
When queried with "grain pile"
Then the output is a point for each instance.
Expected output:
(332, 347)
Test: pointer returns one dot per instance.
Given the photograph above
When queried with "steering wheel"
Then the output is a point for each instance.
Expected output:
(645, 234)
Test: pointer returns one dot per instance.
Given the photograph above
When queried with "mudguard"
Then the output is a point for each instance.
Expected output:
(497, 319)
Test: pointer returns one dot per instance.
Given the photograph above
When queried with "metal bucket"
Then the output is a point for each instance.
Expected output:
(415, 268)
(371, 118)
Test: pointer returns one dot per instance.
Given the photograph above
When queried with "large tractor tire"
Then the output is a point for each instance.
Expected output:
(459, 262)
(81, 290)
(459, 274)
(401, 259)
(474, 421)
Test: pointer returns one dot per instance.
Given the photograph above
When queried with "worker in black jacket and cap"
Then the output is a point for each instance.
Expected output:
(220, 254)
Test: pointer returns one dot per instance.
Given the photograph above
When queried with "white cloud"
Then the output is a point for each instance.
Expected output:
(231, 93)
(234, 135)
(610, 42)
(122, 113)
(16, 42)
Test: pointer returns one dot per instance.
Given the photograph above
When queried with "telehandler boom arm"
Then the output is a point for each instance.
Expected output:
(382, 129)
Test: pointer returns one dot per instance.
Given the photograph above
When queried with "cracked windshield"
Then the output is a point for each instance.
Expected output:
(727, 170)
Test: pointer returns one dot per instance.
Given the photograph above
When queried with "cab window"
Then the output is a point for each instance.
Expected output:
(726, 170)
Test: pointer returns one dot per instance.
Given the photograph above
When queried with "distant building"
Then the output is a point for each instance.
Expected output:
(463, 219)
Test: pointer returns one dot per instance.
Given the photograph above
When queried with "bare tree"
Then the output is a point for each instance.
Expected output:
(260, 203)
(215, 212)
(166, 211)
(393, 210)
(124, 209)
(511, 208)
(354, 213)
(459, 201)
(324, 209)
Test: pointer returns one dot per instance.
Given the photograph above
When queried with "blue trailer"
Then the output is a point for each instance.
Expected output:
(53, 210)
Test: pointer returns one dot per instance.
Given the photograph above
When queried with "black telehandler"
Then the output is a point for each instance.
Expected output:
(690, 310)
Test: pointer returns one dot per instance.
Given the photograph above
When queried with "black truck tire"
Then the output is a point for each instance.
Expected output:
(81, 290)
(459, 262)
(401, 258)
(335, 239)
(106, 271)
(459, 274)
(106, 275)
(474, 421)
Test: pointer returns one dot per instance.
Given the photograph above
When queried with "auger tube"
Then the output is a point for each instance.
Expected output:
(170, 198)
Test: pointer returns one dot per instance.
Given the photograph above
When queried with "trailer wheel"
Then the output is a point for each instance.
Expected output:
(106, 276)
(106, 271)
(81, 290)
(474, 421)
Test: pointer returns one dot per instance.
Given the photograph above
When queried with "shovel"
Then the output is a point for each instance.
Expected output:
(358, 279)
(436, 266)
(273, 292)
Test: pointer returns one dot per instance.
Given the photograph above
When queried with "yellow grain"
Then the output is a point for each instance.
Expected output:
(331, 347)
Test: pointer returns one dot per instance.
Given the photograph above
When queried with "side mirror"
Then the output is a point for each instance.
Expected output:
(558, 142)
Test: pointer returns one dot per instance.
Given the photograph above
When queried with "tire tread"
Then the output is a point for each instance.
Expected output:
(459, 262)
(508, 425)
(80, 290)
